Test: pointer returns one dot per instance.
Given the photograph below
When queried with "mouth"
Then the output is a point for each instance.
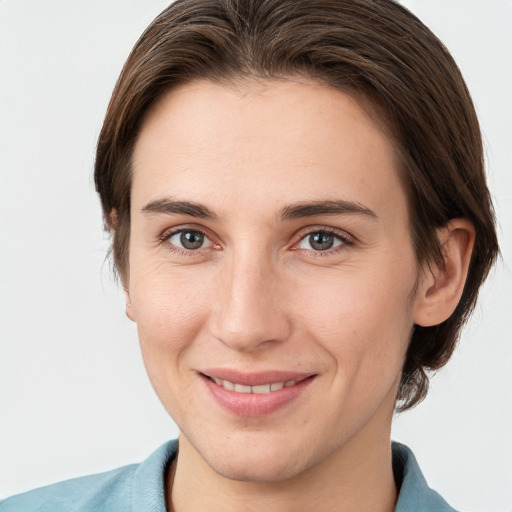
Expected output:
(261, 389)
(255, 394)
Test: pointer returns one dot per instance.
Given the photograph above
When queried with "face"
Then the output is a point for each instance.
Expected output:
(271, 274)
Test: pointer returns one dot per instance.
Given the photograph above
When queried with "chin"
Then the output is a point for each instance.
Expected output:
(253, 469)
(253, 459)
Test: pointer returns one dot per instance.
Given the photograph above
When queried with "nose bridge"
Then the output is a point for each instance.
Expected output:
(250, 312)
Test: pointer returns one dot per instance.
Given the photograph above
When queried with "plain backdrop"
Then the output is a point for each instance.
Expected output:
(74, 397)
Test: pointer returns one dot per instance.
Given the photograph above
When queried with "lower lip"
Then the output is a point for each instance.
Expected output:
(255, 404)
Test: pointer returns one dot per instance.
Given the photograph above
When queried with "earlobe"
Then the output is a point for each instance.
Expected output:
(129, 308)
(442, 285)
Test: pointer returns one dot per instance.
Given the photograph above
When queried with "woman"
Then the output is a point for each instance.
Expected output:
(301, 224)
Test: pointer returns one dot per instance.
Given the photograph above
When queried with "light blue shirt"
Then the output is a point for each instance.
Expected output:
(140, 488)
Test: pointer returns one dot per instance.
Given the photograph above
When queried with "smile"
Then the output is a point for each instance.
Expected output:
(259, 389)
(255, 394)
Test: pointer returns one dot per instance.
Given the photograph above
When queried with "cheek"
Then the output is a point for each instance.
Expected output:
(363, 320)
(169, 309)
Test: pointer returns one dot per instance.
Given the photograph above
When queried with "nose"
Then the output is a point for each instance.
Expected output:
(251, 311)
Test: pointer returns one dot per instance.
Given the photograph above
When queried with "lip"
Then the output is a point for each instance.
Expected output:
(254, 404)
(254, 378)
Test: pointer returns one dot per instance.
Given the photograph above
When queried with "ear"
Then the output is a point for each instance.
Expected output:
(442, 286)
(112, 220)
(129, 309)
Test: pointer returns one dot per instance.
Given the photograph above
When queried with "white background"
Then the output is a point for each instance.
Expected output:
(74, 398)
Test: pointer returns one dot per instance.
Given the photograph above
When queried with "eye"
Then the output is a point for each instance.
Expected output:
(189, 239)
(321, 240)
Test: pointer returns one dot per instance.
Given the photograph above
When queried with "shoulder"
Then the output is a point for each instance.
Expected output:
(414, 494)
(127, 489)
(94, 492)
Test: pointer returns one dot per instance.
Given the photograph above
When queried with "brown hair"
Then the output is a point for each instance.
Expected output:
(374, 49)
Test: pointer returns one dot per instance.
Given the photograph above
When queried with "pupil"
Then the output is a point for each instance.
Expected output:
(191, 239)
(321, 241)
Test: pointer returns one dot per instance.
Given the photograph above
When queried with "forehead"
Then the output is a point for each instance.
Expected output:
(262, 143)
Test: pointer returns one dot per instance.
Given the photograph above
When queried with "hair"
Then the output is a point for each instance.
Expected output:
(375, 50)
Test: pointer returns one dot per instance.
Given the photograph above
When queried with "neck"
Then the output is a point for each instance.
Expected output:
(356, 478)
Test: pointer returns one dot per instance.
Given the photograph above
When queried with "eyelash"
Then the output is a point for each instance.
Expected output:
(343, 237)
(166, 235)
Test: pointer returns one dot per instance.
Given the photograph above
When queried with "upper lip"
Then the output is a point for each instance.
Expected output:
(254, 378)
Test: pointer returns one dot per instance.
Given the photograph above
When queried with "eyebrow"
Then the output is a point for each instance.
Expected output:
(316, 208)
(300, 210)
(169, 206)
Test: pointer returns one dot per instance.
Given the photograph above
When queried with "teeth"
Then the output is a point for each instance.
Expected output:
(261, 389)
(265, 388)
(228, 385)
(240, 388)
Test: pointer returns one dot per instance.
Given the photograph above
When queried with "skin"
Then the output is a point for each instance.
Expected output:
(257, 296)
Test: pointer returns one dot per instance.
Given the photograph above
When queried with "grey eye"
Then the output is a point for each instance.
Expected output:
(189, 239)
(320, 241)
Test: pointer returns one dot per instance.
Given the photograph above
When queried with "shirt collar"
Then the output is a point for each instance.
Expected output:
(415, 494)
(149, 479)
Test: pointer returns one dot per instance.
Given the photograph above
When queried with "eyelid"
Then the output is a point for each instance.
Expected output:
(169, 232)
(300, 235)
(346, 238)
